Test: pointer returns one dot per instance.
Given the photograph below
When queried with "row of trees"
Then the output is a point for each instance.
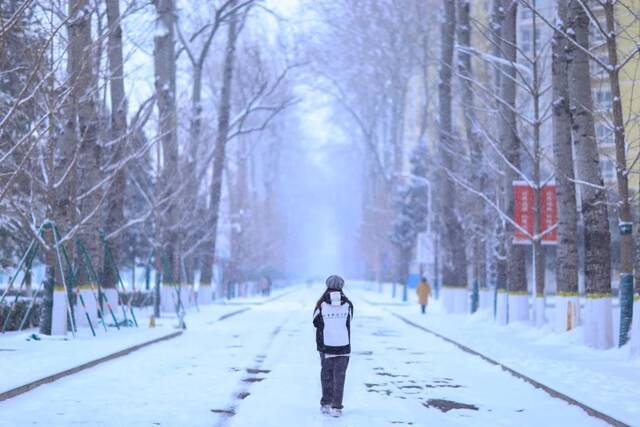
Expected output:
(479, 96)
(88, 144)
(365, 55)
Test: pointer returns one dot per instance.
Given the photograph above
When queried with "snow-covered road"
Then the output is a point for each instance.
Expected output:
(260, 368)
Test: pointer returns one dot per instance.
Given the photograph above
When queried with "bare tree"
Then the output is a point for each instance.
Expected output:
(511, 146)
(454, 272)
(222, 136)
(166, 252)
(625, 219)
(198, 58)
(592, 193)
(568, 305)
(119, 109)
(474, 138)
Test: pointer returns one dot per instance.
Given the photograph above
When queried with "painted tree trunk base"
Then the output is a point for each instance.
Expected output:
(91, 308)
(539, 312)
(193, 295)
(486, 299)
(185, 296)
(447, 300)
(168, 298)
(635, 327)
(456, 300)
(567, 315)
(59, 313)
(205, 295)
(462, 304)
(598, 322)
(518, 308)
(502, 308)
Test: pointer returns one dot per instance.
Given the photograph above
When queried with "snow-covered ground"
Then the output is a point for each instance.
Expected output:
(25, 359)
(605, 380)
(260, 368)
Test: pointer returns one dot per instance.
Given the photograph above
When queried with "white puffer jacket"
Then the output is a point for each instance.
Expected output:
(332, 319)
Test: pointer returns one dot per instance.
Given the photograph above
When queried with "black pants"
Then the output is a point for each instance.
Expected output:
(423, 307)
(332, 375)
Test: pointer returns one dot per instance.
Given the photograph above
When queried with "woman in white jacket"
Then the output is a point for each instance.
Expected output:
(332, 319)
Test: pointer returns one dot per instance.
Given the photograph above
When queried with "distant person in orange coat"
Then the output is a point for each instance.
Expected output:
(423, 290)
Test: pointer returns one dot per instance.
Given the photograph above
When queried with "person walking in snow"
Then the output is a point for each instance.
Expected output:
(424, 292)
(332, 320)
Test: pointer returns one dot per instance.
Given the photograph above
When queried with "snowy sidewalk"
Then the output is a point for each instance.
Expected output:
(608, 381)
(25, 360)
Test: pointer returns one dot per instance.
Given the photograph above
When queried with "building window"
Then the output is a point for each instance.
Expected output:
(596, 70)
(608, 171)
(595, 4)
(604, 134)
(596, 38)
(538, 37)
(525, 40)
(525, 13)
(603, 99)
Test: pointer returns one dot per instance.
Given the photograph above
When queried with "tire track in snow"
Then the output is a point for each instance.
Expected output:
(242, 392)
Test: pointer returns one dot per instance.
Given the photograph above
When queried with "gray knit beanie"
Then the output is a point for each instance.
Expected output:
(335, 282)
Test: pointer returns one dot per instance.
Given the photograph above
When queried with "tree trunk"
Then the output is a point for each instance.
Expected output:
(567, 249)
(46, 303)
(238, 203)
(165, 86)
(499, 251)
(454, 270)
(539, 258)
(90, 152)
(83, 94)
(195, 205)
(220, 149)
(53, 197)
(567, 305)
(625, 221)
(593, 197)
(64, 209)
(115, 205)
(474, 139)
(516, 277)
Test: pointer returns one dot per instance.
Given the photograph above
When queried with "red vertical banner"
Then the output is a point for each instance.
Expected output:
(523, 211)
(524, 214)
(549, 219)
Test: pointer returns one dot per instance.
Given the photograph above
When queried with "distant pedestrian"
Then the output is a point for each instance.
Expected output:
(332, 319)
(264, 286)
(424, 292)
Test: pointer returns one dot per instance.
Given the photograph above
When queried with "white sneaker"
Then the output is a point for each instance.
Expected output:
(335, 412)
(325, 409)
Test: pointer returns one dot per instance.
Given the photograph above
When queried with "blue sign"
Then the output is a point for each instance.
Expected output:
(413, 280)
